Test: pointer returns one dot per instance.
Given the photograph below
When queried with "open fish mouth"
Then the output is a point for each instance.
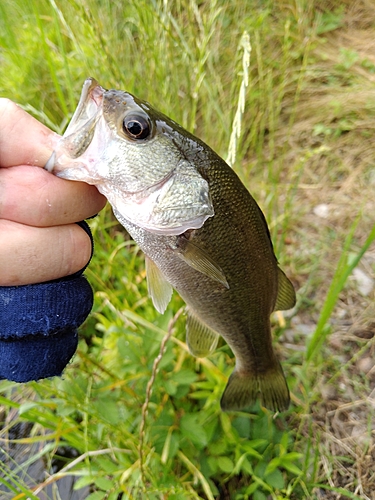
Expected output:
(89, 105)
(80, 131)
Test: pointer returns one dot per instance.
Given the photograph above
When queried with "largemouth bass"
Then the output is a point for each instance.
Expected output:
(202, 232)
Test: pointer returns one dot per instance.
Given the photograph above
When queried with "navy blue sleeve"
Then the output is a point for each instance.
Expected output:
(38, 325)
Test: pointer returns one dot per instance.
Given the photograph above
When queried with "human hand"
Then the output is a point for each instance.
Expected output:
(39, 240)
(39, 243)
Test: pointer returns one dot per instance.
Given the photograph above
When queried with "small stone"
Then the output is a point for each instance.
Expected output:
(321, 210)
(305, 329)
(328, 392)
(364, 365)
(364, 282)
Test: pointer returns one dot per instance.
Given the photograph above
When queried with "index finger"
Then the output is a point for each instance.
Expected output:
(23, 139)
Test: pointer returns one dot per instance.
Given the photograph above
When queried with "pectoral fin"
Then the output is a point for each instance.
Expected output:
(200, 339)
(159, 289)
(286, 296)
(200, 261)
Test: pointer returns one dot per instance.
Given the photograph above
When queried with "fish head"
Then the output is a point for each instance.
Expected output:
(138, 158)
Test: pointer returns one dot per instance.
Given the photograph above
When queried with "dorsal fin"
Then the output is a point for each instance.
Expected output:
(159, 289)
(200, 339)
(286, 295)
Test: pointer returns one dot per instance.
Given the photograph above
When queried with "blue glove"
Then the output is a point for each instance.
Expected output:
(38, 325)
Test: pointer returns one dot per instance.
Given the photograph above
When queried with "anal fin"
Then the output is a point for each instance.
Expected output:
(200, 339)
(159, 289)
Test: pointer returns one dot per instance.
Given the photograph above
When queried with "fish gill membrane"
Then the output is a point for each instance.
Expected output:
(202, 232)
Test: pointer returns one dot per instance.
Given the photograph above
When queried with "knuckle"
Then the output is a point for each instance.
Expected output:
(8, 107)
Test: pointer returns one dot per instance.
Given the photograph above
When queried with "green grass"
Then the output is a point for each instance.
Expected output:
(268, 84)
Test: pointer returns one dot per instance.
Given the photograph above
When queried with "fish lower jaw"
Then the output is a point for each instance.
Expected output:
(147, 214)
(76, 171)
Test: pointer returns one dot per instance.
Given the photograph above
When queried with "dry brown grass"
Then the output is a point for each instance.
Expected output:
(332, 135)
(335, 117)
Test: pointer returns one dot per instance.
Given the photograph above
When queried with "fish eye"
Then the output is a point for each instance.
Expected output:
(136, 126)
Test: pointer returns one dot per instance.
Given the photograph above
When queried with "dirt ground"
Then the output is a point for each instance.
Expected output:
(335, 119)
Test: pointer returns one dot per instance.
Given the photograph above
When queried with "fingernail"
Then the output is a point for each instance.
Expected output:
(51, 162)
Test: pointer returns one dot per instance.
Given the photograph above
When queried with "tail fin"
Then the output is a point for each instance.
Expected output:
(243, 389)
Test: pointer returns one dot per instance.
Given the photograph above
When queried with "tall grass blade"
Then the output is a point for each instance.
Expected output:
(237, 121)
(48, 55)
(344, 268)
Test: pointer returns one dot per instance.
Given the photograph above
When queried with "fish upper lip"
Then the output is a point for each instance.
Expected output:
(96, 92)
(92, 92)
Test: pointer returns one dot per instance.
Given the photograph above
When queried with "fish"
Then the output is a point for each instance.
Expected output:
(201, 231)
